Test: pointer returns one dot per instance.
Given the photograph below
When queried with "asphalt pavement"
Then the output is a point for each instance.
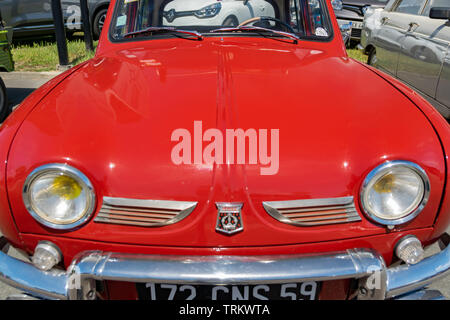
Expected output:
(21, 84)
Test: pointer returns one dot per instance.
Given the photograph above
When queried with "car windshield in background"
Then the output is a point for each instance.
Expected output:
(162, 18)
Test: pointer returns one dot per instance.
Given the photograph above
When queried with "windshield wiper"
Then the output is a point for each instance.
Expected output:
(172, 30)
(258, 30)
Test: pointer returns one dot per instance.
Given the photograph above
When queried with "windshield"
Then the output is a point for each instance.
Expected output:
(304, 18)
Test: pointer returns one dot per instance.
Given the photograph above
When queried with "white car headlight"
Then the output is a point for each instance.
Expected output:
(209, 11)
(59, 196)
(337, 5)
(395, 192)
(366, 10)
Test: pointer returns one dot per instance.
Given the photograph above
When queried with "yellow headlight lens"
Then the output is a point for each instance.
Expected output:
(385, 184)
(66, 187)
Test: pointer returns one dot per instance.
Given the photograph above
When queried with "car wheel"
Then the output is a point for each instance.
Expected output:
(98, 23)
(372, 60)
(230, 21)
(5, 110)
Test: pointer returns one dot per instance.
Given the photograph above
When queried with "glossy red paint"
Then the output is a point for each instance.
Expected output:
(8, 131)
(383, 244)
(442, 129)
(112, 118)
(119, 136)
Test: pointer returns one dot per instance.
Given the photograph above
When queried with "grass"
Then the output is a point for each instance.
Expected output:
(43, 55)
(357, 55)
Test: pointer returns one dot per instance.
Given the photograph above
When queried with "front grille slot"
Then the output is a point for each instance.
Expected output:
(356, 33)
(313, 212)
(143, 213)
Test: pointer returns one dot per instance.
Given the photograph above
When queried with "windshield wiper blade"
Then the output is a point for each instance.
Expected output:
(258, 30)
(155, 30)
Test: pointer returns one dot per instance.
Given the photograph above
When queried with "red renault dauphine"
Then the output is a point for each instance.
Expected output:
(224, 150)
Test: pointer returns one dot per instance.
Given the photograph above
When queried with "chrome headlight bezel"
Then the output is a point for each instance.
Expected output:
(68, 171)
(385, 167)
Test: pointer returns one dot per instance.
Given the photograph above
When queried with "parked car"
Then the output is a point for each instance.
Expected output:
(371, 23)
(226, 13)
(30, 18)
(410, 40)
(350, 14)
(211, 162)
(6, 65)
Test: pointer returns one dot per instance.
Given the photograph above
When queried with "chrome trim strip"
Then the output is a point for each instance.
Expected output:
(155, 204)
(144, 213)
(221, 270)
(39, 27)
(311, 203)
(313, 212)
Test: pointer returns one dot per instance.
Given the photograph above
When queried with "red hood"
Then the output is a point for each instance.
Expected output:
(113, 119)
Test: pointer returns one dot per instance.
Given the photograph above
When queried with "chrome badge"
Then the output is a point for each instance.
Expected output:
(229, 219)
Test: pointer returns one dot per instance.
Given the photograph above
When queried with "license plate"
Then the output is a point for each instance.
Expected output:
(286, 291)
(346, 25)
(357, 25)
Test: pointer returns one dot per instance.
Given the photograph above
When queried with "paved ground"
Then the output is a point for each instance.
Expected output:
(21, 84)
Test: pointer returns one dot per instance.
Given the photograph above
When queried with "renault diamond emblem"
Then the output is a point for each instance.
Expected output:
(229, 218)
(170, 15)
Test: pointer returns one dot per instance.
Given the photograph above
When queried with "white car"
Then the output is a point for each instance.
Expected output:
(213, 12)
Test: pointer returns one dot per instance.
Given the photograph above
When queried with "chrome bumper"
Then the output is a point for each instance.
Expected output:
(78, 282)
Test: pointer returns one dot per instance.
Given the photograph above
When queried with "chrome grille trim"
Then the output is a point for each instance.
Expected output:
(143, 213)
(313, 212)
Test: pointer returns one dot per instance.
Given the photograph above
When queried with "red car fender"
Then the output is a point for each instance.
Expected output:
(8, 132)
(442, 129)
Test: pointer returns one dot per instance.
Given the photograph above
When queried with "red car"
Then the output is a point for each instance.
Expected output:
(209, 160)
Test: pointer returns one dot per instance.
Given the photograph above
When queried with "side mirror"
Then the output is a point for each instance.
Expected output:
(440, 13)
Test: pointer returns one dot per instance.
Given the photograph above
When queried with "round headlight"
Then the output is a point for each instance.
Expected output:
(337, 5)
(395, 192)
(59, 196)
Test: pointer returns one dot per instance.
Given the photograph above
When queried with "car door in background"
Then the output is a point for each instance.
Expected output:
(394, 25)
(424, 49)
(442, 33)
(257, 7)
(25, 16)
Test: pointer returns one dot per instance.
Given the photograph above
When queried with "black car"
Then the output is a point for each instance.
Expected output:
(6, 64)
(30, 18)
(350, 14)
